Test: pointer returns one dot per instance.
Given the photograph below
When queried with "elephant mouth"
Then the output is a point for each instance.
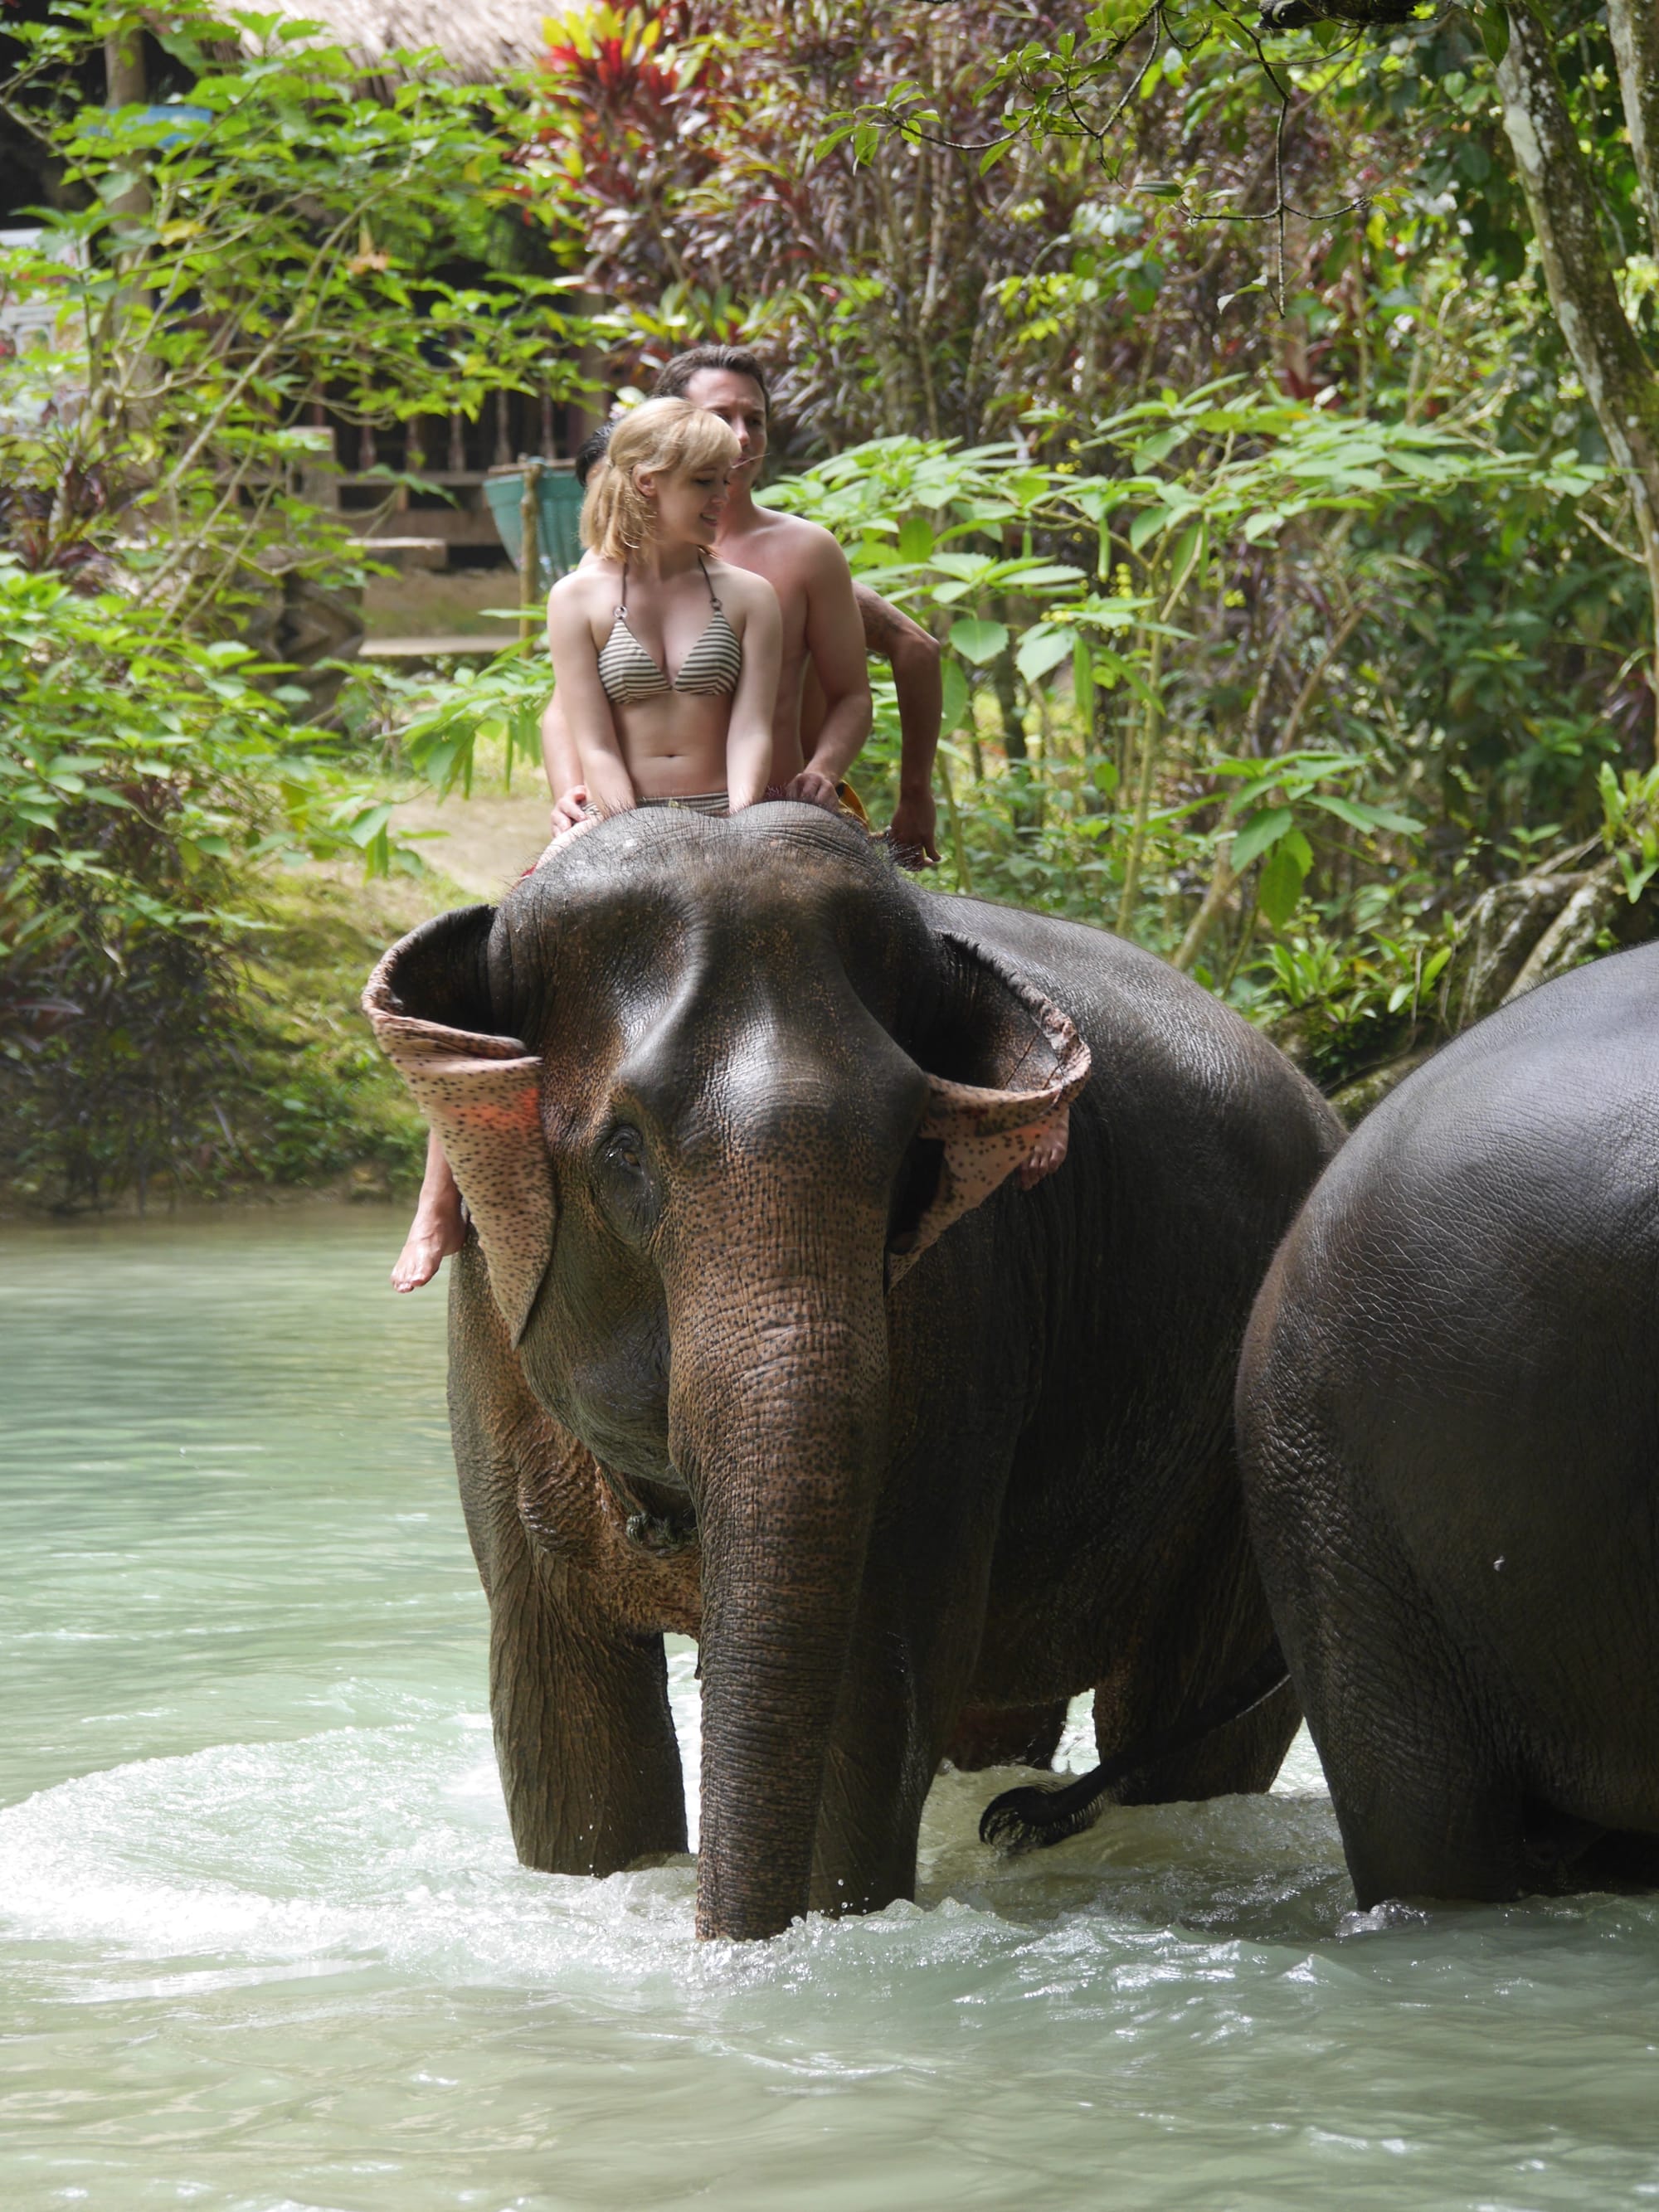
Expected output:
(657, 1519)
(663, 1534)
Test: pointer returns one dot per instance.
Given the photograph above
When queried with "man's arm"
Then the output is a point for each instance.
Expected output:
(834, 642)
(916, 663)
(563, 766)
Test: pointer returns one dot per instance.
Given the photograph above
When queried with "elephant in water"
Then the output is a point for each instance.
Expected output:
(758, 1339)
(1449, 1409)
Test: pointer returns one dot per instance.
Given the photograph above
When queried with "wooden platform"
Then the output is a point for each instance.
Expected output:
(437, 648)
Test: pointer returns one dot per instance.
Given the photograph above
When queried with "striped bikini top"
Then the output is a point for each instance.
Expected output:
(713, 664)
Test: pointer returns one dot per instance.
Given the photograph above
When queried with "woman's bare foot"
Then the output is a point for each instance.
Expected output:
(439, 1227)
(1048, 1151)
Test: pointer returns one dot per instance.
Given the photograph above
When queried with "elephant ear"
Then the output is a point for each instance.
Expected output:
(1010, 1064)
(480, 1091)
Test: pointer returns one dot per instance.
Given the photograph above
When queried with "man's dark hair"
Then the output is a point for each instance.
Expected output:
(676, 374)
(592, 453)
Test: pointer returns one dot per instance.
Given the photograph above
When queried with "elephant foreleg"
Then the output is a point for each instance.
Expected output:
(578, 1683)
(584, 1736)
(912, 1653)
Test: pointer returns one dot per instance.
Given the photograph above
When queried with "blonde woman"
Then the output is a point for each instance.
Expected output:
(666, 658)
(666, 662)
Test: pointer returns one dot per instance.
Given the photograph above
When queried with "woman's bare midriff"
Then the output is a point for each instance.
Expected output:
(674, 746)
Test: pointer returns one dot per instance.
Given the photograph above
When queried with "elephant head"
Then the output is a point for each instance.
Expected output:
(711, 1090)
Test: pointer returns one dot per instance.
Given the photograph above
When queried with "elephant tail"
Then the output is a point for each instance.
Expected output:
(1032, 1819)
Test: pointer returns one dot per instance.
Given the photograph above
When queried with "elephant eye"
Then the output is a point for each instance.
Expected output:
(624, 1186)
(623, 1150)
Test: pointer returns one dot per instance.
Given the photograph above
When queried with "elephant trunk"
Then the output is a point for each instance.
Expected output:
(778, 1417)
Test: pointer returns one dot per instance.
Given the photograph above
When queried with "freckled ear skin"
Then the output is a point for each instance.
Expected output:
(1034, 1064)
(480, 1092)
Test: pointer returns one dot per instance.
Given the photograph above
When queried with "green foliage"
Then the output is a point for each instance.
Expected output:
(941, 276)
(220, 265)
(144, 772)
(1289, 610)
(1630, 825)
(497, 704)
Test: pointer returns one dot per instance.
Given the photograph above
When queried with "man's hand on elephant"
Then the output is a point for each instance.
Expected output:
(1048, 1151)
(914, 830)
(569, 809)
(815, 788)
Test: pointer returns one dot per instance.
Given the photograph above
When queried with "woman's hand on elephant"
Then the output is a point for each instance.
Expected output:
(1048, 1151)
(569, 809)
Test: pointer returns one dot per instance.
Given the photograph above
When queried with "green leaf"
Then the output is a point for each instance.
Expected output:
(1187, 553)
(1346, 809)
(978, 641)
(1083, 682)
(1147, 525)
(1389, 817)
(1042, 649)
(1279, 885)
(1259, 832)
(367, 826)
(958, 696)
(916, 538)
(1495, 31)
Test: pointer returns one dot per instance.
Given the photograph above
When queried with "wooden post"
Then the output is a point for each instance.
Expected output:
(319, 482)
(127, 85)
(529, 519)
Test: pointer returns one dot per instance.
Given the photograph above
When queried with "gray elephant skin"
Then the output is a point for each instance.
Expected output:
(758, 1339)
(1449, 1412)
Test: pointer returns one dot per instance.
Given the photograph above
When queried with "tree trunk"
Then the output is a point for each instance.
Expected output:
(1622, 387)
(126, 84)
(1634, 28)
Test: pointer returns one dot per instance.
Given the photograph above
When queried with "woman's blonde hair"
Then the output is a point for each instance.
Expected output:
(664, 436)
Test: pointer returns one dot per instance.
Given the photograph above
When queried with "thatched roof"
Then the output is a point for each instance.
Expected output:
(480, 39)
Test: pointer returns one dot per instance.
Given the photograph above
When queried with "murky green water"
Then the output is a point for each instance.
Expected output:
(264, 1944)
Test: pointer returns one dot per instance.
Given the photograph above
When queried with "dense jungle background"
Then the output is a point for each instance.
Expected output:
(1259, 403)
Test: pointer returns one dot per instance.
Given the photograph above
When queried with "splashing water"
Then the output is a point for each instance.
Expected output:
(265, 1945)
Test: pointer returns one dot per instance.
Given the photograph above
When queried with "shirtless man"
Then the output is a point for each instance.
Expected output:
(830, 626)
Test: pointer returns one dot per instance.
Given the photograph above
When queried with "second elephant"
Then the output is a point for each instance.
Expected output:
(1448, 1402)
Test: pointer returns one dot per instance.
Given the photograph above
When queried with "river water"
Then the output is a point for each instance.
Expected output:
(264, 1944)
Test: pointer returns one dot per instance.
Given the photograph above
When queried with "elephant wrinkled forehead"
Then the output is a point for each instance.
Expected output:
(644, 901)
(665, 868)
